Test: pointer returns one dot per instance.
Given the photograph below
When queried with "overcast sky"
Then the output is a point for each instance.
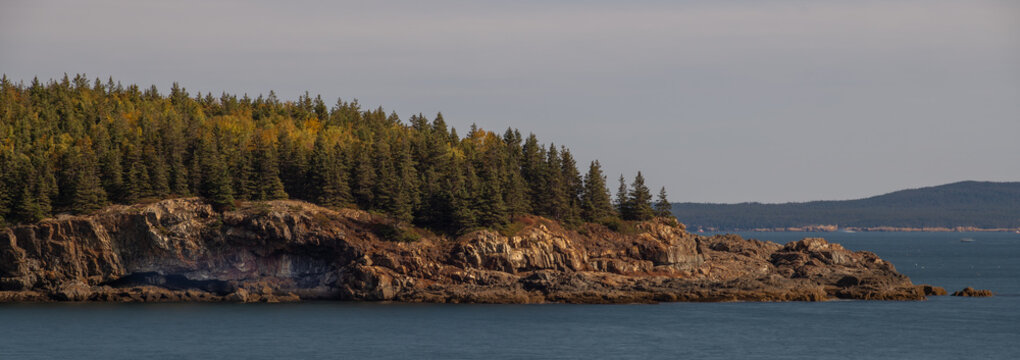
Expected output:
(719, 101)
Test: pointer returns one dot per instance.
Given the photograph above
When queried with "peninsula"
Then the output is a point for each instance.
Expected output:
(283, 250)
(118, 193)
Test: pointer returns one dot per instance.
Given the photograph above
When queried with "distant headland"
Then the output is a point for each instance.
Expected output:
(961, 206)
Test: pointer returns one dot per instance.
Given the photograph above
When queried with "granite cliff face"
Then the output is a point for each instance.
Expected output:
(182, 250)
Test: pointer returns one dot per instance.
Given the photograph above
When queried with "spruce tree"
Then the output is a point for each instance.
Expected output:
(640, 200)
(573, 186)
(492, 210)
(407, 195)
(554, 198)
(386, 187)
(662, 206)
(363, 179)
(515, 189)
(266, 184)
(596, 204)
(328, 175)
(216, 182)
(87, 194)
(622, 202)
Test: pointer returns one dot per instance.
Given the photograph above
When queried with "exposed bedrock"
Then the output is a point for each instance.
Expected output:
(182, 250)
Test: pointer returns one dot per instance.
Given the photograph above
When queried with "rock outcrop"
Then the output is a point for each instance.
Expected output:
(969, 291)
(183, 250)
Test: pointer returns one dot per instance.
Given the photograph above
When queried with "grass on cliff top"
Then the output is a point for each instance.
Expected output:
(397, 232)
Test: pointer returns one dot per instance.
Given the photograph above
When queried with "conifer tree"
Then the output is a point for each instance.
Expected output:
(159, 183)
(216, 182)
(622, 201)
(532, 170)
(596, 204)
(662, 206)
(328, 175)
(386, 187)
(363, 180)
(465, 215)
(5, 193)
(294, 167)
(640, 200)
(573, 186)
(554, 198)
(87, 191)
(405, 200)
(515, 190)
(267, 184)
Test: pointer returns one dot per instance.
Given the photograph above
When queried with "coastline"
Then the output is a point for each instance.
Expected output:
(181, 250)
(835, 228)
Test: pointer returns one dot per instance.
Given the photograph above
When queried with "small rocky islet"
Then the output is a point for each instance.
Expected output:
(182, 250)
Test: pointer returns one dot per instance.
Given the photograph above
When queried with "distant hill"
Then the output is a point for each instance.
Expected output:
(962, 204)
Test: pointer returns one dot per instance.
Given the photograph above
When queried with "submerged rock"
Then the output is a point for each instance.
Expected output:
(183, 250)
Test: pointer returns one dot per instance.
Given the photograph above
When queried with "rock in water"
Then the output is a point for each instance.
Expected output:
(183, 250)
(969, 291)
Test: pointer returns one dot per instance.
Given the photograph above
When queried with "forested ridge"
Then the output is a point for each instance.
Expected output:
(989, 205)
(75, 145)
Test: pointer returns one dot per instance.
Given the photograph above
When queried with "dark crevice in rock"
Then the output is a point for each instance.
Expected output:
(172, 282)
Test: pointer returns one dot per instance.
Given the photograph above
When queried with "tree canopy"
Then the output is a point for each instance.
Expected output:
(74, 145)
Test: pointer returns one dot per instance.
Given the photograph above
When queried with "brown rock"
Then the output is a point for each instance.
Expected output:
(182, 250)
(969, 291)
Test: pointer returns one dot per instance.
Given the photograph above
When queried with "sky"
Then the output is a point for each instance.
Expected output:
(718, 101)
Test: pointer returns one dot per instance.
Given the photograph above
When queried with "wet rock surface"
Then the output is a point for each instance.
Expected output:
(181, 250)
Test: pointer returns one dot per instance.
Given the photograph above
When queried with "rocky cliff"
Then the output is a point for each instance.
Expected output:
(183, 250)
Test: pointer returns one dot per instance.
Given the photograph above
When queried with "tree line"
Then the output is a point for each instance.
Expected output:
(74, 146)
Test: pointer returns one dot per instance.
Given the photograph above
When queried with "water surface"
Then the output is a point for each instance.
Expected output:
(941, 328)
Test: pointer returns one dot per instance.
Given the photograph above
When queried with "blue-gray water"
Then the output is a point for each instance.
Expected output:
(940, 328)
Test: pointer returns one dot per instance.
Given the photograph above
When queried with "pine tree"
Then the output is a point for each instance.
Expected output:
(328, 175)
(5, 192)
(492, 210)
(159, 183)
(216, 182)
(294, 167)
(596, 204)
(87, 194)
(555, 196)
(532, 170)
(386, 187)
(464, 214)
(515, 189)
(573, 187)
(266, 184)
(640, 200)
(407, 195)
(662, 206)
(363, 180)
(622, 202)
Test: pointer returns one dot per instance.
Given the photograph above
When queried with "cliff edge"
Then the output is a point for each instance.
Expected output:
(183, 250)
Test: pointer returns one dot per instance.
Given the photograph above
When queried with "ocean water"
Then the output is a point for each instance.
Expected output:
(940, 328)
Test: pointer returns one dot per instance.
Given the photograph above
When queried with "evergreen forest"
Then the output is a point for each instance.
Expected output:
(75, 145)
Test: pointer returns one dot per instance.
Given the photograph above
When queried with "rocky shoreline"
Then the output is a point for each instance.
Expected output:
(182, 250)
(835, 228)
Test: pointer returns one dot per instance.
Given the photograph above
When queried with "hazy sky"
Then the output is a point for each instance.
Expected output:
(721, 101)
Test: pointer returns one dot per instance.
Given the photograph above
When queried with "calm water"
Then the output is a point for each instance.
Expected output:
(941, 328)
